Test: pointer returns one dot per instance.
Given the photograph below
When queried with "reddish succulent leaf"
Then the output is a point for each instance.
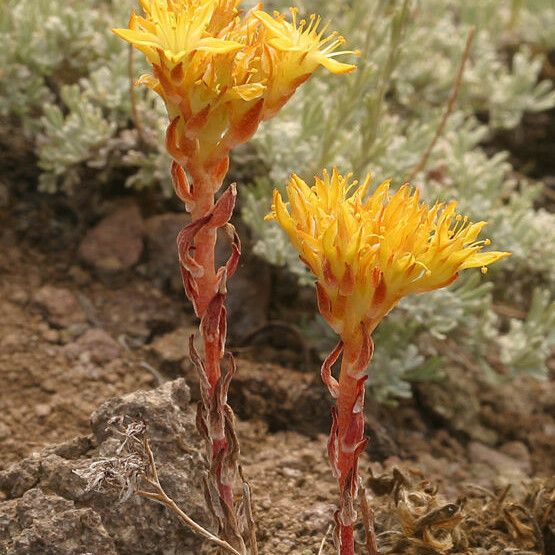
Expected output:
(333, 444)
(331, 383)
(223, 209)
(181, 183)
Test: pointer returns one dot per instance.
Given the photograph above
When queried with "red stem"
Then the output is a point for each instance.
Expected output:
(205, 240)
(204, 188)
(349, 440)
(347, 546)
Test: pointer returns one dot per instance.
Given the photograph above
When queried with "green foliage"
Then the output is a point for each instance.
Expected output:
(47, 42)
(535, 20)
(58, 156)
(528, 343)
(382, 118)
(66, 83)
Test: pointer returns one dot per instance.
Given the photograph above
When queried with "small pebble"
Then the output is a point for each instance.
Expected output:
(49, 385)
(18, 296)
(50, 335)
(42, 410)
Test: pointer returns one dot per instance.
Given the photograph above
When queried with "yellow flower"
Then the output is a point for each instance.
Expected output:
(174, 29)
(305, 42)
(220, 72)
(295, 51)
(367, 252)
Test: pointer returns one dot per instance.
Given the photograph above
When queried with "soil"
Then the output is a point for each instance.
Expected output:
(73, 335)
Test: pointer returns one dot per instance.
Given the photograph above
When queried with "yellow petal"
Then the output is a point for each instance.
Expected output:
(276, 27)
(218, 46)
(484, 259)
(334, 66)
(281, 213)
(138, 37)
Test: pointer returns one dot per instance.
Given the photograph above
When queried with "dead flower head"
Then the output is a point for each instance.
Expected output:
(124, 471)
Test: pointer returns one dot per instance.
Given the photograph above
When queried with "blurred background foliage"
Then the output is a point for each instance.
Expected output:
(65, 90)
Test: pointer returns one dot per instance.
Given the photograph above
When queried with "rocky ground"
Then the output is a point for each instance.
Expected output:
(93, 323)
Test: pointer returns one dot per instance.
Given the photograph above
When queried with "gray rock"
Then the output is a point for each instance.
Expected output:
(116, 243)
(19, 478)
(47, 498)
(60, 306)
(46, 524)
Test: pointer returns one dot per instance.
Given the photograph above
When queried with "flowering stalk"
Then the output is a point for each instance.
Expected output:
(220, 73)
(346, 440)
(367, 252)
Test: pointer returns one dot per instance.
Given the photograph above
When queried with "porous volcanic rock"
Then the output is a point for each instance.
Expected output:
(48, 509)
(45, 524)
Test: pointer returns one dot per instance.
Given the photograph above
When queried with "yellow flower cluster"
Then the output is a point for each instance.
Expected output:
(367, 252)
(221, 71)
